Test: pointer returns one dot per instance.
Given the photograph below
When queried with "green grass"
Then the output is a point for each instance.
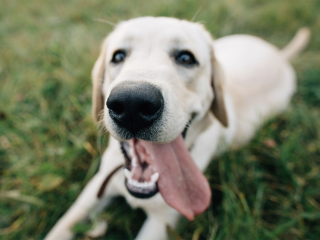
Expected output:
(48, 141)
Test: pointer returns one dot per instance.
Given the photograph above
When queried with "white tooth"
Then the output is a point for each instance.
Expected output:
(134, 162)
(127, 173)
(141, 184)
(133, 182)
(155, 177)
(150, 184)
(131, 152)
(137, 184)
(130, 181)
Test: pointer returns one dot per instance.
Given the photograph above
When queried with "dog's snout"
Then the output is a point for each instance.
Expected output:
(135, 106)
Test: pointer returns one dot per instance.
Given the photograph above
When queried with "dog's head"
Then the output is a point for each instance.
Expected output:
(154, 78)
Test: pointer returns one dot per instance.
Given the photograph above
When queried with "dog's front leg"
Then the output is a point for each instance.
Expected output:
(86, 204)
(155, 226)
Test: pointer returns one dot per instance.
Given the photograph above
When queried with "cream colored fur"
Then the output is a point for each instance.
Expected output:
(252, 81)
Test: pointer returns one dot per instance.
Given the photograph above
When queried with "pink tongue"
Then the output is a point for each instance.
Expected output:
(181, 183)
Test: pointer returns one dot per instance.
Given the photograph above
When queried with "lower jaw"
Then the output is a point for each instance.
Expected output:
(140, 192)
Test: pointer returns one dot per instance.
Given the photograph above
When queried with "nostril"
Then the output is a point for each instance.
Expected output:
(150, 109)
(147, 109)
(116, 107)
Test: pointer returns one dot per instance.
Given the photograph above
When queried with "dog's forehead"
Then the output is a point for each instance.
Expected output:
(161, 31)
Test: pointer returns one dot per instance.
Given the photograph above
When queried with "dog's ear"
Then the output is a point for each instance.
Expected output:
(218, 106)
(97, 74)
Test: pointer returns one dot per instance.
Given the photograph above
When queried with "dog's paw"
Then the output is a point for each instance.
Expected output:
(61, 235)
(99, 229)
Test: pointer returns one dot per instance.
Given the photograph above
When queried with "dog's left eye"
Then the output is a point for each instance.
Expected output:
(118, 56)
(185, 58)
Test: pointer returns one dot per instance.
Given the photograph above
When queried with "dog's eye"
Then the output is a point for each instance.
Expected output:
(185, 58)
(118, 56)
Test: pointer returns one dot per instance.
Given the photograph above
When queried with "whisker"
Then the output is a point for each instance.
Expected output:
(105, 21)
(102, 131)
(197, 12)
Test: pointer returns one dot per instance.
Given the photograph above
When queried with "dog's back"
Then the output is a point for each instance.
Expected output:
(259, 78)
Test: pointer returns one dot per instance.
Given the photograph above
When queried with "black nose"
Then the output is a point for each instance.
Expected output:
(135, 106)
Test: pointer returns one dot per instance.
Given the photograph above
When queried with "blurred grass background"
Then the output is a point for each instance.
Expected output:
(48, 145)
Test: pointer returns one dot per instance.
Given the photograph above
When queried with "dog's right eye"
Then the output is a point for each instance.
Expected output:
(186, 58)
(118, 56)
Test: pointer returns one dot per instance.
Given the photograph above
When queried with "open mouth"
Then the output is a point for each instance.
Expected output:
(169, 169)
(141, 176)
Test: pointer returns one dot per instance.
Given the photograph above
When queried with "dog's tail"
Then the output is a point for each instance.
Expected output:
(297, 44)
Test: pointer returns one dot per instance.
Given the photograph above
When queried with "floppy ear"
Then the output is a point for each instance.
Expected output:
(218, 106)
(97, 81)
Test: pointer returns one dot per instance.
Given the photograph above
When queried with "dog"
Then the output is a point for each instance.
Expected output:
(173, 99)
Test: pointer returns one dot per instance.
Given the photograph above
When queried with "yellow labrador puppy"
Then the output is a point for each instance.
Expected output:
(172, 99)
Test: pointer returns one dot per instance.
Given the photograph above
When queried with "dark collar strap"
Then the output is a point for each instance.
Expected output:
(105, 182)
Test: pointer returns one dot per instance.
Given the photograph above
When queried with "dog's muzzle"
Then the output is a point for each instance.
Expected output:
(135, 106)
